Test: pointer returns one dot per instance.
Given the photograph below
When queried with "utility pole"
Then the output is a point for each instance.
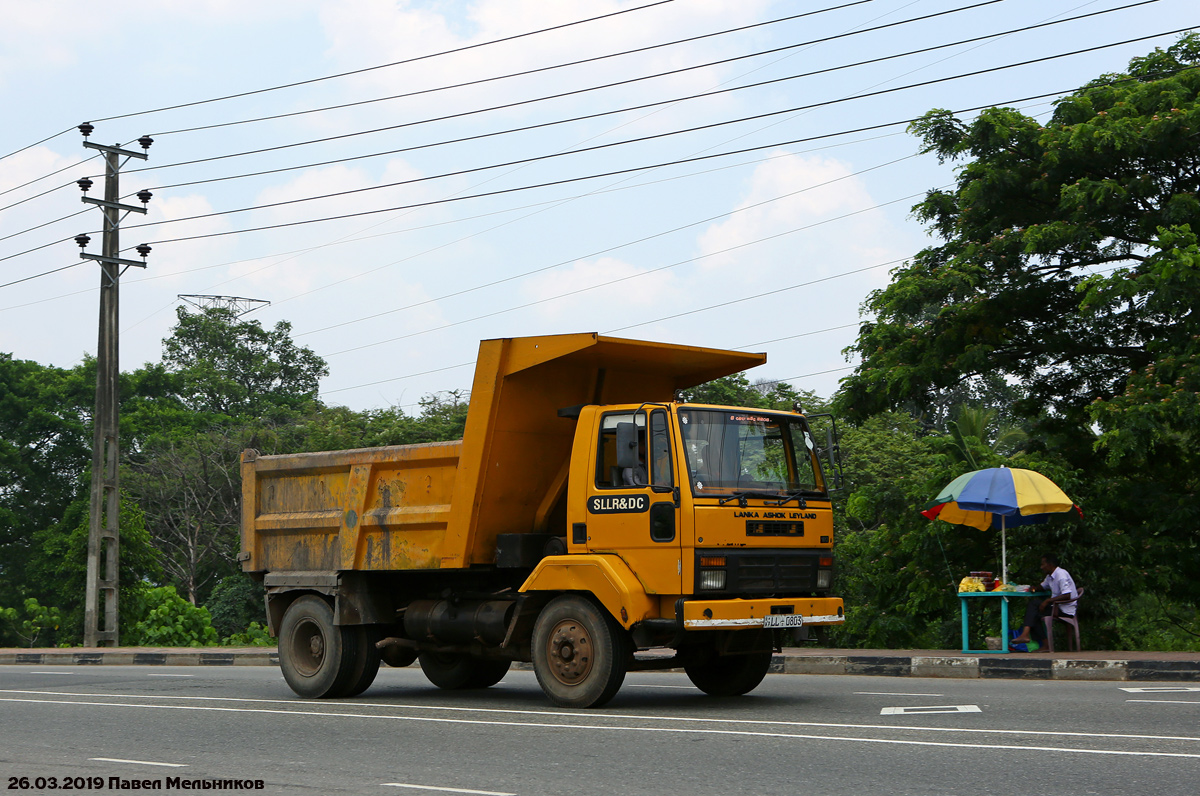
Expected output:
(104, 517)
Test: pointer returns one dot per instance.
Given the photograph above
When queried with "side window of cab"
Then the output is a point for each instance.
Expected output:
(608, 474)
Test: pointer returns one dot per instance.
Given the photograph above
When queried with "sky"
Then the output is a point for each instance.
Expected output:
(441, 242)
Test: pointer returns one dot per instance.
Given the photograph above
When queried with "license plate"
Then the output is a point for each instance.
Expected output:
(783, 620)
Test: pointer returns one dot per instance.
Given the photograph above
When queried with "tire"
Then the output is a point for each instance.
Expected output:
(456, 671)
(580, 654)
(318, 659)
(366, 660)
(728, 675)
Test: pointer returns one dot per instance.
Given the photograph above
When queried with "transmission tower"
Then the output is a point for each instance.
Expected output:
(239, 304)
(104, 517)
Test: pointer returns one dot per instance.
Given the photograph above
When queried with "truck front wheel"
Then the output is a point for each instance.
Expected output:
(728, 675)
(318, 658)
(454, 671)
(580, 653)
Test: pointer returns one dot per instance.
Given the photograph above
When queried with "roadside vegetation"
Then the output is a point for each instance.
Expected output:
(1052, 326)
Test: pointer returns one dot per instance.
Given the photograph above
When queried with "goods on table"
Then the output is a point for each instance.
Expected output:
(971, 584)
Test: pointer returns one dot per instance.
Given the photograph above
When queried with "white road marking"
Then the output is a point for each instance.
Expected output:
(1168, 701)
(640, 717)
(448, 790)
(72, 674)
(618, 728)
(914, 710)
(138, 762)
(1161, 689)
(170, 675)
(893, 693)
(652, 685)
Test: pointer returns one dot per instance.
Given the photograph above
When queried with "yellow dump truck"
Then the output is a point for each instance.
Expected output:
(585, 516)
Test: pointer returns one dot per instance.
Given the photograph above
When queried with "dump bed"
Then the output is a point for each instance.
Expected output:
(441, 505)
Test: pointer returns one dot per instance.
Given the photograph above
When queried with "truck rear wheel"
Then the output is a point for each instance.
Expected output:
(728, 675)
(318, 658)
(579, 653)
(366, 660)
(454, 671)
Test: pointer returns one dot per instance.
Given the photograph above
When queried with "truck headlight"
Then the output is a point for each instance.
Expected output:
(712, 579)
(824, 578)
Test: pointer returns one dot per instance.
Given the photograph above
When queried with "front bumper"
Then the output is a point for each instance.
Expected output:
(744, 614)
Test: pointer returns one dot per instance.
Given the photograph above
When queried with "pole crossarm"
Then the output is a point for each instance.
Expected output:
(113, 260)
(113, 205)
(116, 150)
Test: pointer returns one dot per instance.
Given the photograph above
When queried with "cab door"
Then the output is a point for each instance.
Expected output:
(632, 512)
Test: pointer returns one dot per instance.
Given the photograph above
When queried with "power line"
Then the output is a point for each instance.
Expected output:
(36, 143)
(646, 273)
(511, 190)
(549, 68)
(772, 292)
(36, 195)
(652, 137)
(51, 174)
(344, 74)
(34, 249)
(548, 97)
(44, 224)
(43, 273)
(310, 81)
(628, 109)
(607, 250)
(436, 224)
(410, 229)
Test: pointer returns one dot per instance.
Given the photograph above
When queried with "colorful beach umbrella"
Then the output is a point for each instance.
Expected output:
(999, 497)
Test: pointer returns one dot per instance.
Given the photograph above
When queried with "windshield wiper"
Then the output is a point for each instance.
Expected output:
(797, 495)
(741, 496)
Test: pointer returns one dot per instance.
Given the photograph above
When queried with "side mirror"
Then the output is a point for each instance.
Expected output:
(627, 444)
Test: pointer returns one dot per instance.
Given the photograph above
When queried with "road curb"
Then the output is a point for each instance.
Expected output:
(135, 657)
(881, 664)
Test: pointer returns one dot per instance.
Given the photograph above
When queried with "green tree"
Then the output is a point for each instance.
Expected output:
(235, 602)
(57, 570)
(190, 491)
(45, 450)
(1068, 264)
(234, 367)
(33, 623)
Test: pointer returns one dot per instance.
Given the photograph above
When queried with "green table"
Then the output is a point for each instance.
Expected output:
(1004, 596)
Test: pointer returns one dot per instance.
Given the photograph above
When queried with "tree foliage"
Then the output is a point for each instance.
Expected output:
(1067, 266)
(234, 367)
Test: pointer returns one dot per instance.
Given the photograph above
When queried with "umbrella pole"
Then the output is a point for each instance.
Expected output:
(1003, 553)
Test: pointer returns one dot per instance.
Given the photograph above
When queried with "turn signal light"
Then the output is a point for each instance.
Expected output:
(712, 561)
(827, 561)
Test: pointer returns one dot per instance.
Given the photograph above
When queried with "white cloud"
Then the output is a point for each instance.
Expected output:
(792, 193)
(636, 290)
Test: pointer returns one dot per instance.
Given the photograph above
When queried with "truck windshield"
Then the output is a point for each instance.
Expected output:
(744, 451)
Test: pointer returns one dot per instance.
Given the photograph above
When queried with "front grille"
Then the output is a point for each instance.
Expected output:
(771, 528)
(766, 571)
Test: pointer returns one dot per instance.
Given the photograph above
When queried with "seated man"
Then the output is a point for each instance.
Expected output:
(1062, 590)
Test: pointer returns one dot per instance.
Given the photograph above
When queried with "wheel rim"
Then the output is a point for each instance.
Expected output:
(569, 652)
(308, 648)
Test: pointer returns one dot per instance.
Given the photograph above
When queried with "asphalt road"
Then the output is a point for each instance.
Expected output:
(795, 734)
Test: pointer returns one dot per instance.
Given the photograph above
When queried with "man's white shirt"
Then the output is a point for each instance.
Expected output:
(1059, 582)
